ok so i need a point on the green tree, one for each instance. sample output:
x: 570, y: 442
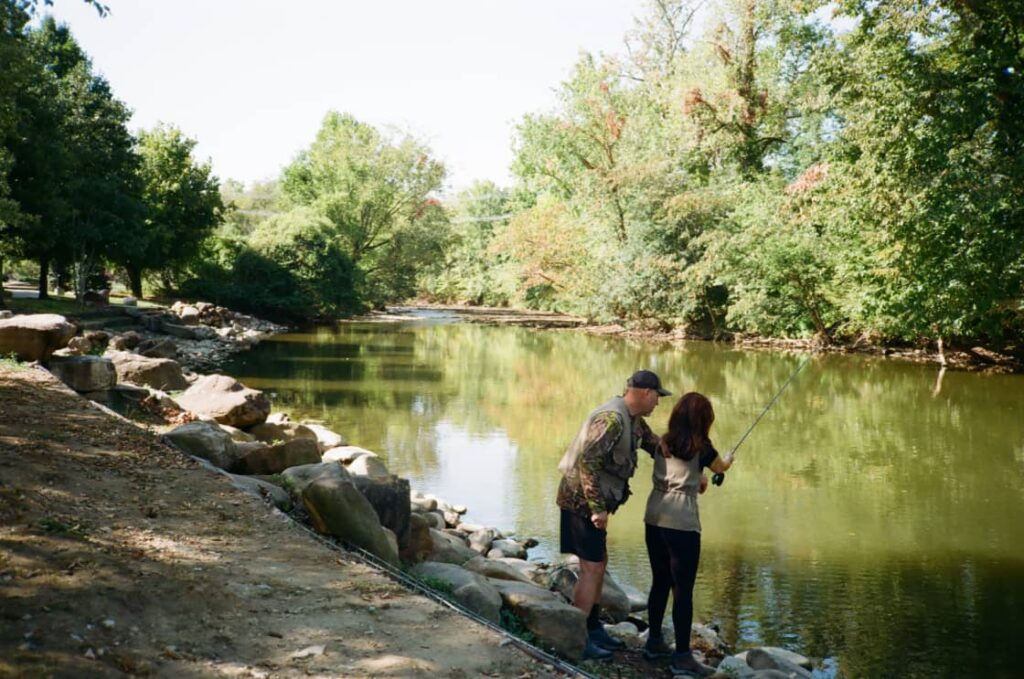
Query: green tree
x: 377, y: 192
x: 182, y: 201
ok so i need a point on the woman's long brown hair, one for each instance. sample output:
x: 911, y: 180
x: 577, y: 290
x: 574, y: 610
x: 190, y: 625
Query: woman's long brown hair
x: 688, y: 425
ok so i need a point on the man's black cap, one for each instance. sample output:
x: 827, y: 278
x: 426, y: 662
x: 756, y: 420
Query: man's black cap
x: 645, y: 379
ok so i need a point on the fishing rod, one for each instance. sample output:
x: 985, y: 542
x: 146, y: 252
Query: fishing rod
x: 718, y: 478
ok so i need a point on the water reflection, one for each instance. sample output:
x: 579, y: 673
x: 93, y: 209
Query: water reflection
x: 868, y: 520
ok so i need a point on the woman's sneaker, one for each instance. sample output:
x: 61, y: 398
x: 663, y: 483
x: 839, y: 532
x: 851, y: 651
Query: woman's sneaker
x: 687, y: 666
x: 656, y: 648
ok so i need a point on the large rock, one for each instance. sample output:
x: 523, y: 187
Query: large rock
x: 420, y: 543
x: 469, y: 589
x: 449, y: 549
x: 480, y: 541
x: 390, y: 499
x: 507, y: 548
x: 297, y: 478
x: 205, y: 440
x: 346, y: 454
x: 736, y: 667
x: 157, y: 347
x: 556, y: 624
x: 270, y: 432
x: 336, y: 508
x: 160, y: 373
x: 369, y: 466
x: 84, y: 373
x: 259, y: 458
x: 762, y: 659
x: 614, y: 602
x: 325, y: 437
x: 226, y: 400
x: 126, y: 340
x: 34, y: 337
x: 493, y: 568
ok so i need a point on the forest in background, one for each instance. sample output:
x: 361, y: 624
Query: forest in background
x: 785, y: 168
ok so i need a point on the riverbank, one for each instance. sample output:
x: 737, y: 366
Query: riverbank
x: 972, y: 357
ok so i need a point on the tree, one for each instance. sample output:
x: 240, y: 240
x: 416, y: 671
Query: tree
x: 377, y: 192
x: 182, y: 202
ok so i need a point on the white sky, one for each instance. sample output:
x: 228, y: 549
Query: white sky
x: 252, y: 79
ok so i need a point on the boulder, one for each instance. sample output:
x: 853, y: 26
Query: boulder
x: 761, y: 659
x: 264, y: 490
x: 259, y: 458
x: 469, y: 589
x: 269, y: 432
x: 336, y: 508
x: 34, y: 337
x: 129, y: 301
x: 434, y: 520
x: 5, y: 313
x: 180, y: 331
x: 709, y: 638
x: 79, y: 346
x: 507, y: 548
x: 325, y: 437
x: 495, y: 569
x: 420, y: 503
x: 278, y: 418
x: 556, y: 624
x: 237, y: 434
x: 480, y: 541
x: 226, y: 400
x: 297, y: 478
x: 614, y: 601
x: 420, y: 543
x: 733, y: 666
x: 159, y: 347
x: 370, y: 466
x: 637, y: 599
x: 205, y: 440
x: 390, y: 499
x: 99, y: 339
x: 346, y: 454
x: 160, y: 373
x: 84, y: 373
x: 449, y: 549
x: 189, y: 315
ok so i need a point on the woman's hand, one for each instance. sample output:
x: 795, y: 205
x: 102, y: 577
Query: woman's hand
x: 665, y: 452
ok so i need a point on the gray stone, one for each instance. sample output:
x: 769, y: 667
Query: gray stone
x: 301, y: 476
x: 493, y: 568
x: 264, y: 490
x: 390, y: 499
x: 226, y: 400
x: 434, y: 520
x: 336, y: 508
x: 5, y: 313
x: 480, y: 541
x: 614, y: 601
x: 422, y: 504
x: 205, y: 440
x: 346, y: 454
x: 237, y: 434
x: 269, y: 432
x: 736, y: 667
x: 84, y: 373
x: 469, y: 589
x: 180, y: 331
x: 160, y: 373
x: 508, y: 548
x: 625, y: 631
x: 259, y: 458
x: 159, y: 347
x: 557, y: 625
x: 34, y: 337
x: 449, y: 549
x: 366, y: 465
x: 325, y: 437
x: 785, y: 654
x: 420, y: 543
x: 709, y: 636
x: 129, y: 301
x: 761, y: 659
x: 637, y: 599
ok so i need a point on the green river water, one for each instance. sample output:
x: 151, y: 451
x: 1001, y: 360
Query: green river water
x: 872, y: 522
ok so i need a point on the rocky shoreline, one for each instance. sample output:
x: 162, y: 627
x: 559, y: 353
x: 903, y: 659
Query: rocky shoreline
x: 973, y: 358
x: 338, y: 489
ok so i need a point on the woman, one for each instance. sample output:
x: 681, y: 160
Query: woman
x: 673, y: 526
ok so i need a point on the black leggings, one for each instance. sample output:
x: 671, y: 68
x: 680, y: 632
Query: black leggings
x: 674, y: 555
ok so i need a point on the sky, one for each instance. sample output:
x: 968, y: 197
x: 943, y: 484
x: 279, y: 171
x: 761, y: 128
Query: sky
x: 251, y: 80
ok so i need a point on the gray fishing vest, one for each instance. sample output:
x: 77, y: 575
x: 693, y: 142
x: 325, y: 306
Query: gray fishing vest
x: 614, y: 477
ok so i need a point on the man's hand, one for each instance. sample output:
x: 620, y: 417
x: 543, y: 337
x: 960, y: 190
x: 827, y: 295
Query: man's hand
x: 703, y: 484
x: 600, y: 520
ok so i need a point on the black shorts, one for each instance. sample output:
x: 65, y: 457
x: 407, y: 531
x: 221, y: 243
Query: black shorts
x: 580, y: 537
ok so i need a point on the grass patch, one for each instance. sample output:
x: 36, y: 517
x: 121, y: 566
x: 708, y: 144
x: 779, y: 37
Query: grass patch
x: 511, y: 623
x: 440, y: 586
x: 54, y: 305
x: 55, y: 526
x: 11, y: 361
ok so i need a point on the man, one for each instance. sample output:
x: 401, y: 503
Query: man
x: 595, y: 482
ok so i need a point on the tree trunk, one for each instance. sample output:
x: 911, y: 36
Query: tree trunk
x: 2, y: 283
x: 44, y: 275
x: 135, y: 281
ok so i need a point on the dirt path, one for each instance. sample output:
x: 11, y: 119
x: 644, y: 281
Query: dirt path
x: 120, y: 556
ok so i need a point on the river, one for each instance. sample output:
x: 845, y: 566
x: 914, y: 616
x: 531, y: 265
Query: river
x: 874, y: 520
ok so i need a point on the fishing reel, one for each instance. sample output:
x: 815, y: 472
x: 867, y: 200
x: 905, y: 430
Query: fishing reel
x: 718, y: 478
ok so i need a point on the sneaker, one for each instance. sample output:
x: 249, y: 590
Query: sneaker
x: 656, y: 648
x: 688, y: 666
x: 594, y: 652
x: 601, y: 638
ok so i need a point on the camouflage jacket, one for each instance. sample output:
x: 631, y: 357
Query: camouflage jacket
x: 579, y: 492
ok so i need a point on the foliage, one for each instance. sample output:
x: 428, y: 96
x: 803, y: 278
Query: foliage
x: 442, y: 587
x: 511, y: 623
